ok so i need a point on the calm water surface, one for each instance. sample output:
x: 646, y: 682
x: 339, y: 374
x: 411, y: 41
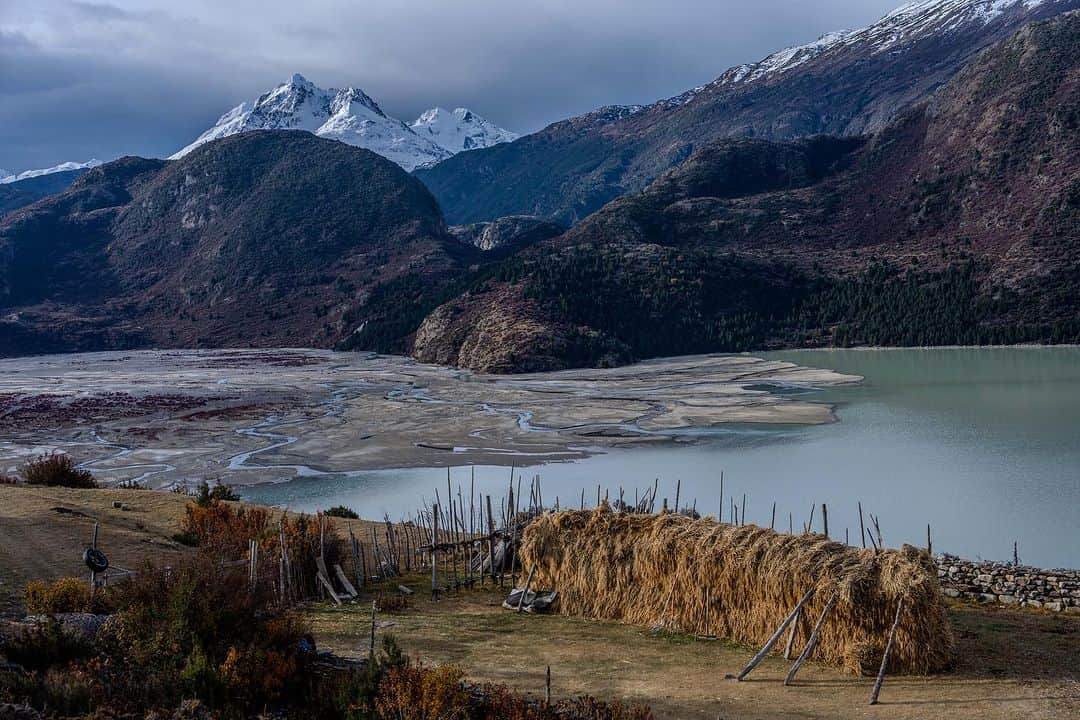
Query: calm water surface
x: 982, y: 444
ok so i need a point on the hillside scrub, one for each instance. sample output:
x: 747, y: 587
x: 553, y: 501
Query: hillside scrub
x: 57, y: 470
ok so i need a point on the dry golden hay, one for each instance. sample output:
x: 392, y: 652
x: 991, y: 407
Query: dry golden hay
x: 654, y: 570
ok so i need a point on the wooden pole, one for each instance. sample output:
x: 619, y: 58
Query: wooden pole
x: 547, y: 687
x: 371, y: 649
x: 811, y: 642
x: 435, y: 552
x: 929, y: 542
x: 888, y: 651
x: 491, y: 540
x: 93, y: 573
x: 525, y: 590
x: 678, y: 491
x: 825, y: 518
x: 775, y: 637
x: 862, y: 527
x: 791, y: 635
x: 742, y: 512
x: 720, y: 517
x: 772, y: 524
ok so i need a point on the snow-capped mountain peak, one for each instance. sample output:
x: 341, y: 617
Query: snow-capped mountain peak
x: 460, y: 129
x: 351, y: 116
x: 6, y: 177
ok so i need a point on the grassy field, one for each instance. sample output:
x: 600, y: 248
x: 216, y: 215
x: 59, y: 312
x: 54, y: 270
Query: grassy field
x: 1013, y: 663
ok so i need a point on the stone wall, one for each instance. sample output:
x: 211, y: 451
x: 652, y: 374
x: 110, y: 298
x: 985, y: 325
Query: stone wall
x: 1057, y: 590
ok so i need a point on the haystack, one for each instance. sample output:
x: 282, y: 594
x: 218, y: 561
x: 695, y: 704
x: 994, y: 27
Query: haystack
x: 658, y: 570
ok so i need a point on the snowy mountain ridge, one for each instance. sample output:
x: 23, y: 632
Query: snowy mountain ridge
x: 352, y: 117
x: 7, y: 177
x: 896, y: 29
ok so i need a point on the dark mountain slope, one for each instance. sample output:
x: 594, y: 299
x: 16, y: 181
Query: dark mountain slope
x: 267, y: 238
x: 21, y: 193
x: 957, y: 224
x: 842, y: 85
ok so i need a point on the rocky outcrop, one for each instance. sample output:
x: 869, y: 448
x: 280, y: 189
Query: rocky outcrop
x: 1056, y: 590
x: 513, y: 231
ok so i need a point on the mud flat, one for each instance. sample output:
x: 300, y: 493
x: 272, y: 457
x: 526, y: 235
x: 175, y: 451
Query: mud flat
x: 248, y: 416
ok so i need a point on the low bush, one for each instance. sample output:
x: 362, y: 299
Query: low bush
x: 57, y: 470
x: 341, y: 511
x: 45, y: 645
x: 392, y: 602
x: 66, y: 595
x: 207, y: 494
x: 201, y: 630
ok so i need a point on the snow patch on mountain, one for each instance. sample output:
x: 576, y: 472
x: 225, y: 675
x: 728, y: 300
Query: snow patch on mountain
x: 6, y: 177
x: 352, y: 117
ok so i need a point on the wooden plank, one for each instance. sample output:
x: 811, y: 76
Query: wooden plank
x: 329, y: 588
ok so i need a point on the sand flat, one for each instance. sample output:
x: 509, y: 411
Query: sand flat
x: 162, y: 417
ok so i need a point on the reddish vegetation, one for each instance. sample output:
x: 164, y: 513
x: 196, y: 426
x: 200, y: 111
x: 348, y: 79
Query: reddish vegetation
x: 21, y: 410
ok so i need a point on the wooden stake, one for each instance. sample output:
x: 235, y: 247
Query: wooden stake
x: 862, y: 527
x: 371, y: 649
x: 547, y: 687
x: 888, y: 651
x: 811, y: 642
x: 825, y: 518
x: 772, y: 524
x: 775, y: 637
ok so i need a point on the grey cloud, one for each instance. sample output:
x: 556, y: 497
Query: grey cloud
x: 146, y: 76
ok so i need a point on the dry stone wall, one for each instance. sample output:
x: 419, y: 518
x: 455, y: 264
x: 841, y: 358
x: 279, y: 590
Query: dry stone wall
x: 1057, y: 590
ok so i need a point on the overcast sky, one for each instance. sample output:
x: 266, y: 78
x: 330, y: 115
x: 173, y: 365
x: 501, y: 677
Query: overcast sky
x: 145, y: 77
